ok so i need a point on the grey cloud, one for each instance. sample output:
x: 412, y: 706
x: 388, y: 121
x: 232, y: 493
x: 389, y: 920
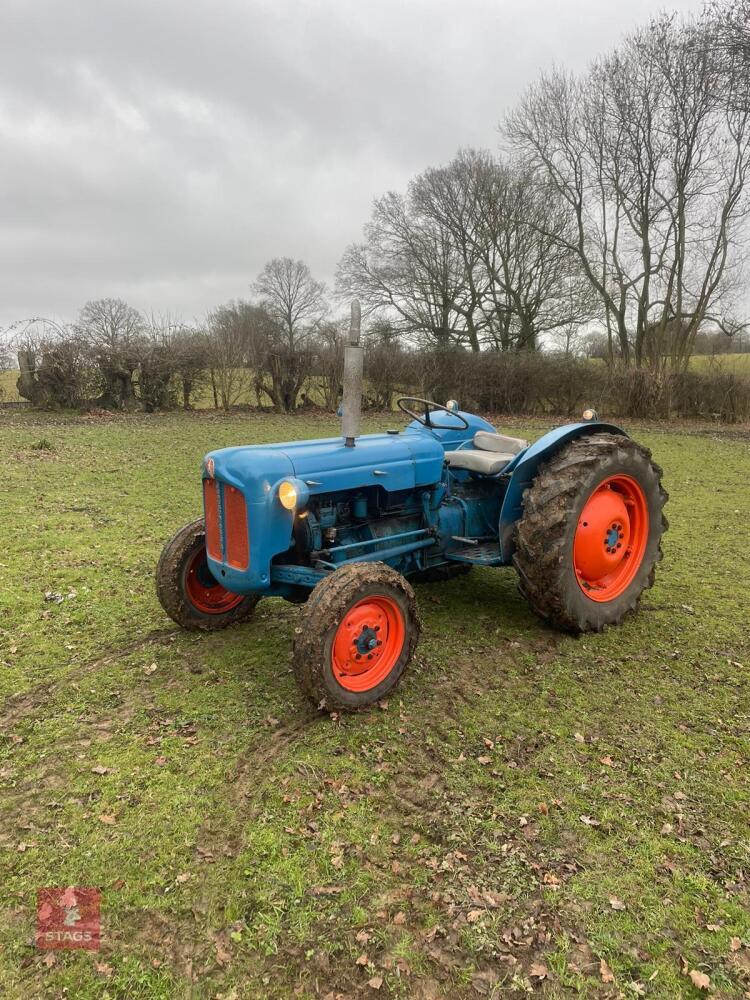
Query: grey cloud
x: 164, y: 151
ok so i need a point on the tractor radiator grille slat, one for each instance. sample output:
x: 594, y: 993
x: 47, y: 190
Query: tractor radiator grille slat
x: 213, y: 523
x: 235, y: 528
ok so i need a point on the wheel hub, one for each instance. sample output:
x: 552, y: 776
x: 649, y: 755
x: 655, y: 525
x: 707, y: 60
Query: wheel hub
x: 610, y: 537
x: 203, y: 591
x: 367, y: 643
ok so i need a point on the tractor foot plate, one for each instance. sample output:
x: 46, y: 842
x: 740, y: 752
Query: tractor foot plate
x: 483, y: 554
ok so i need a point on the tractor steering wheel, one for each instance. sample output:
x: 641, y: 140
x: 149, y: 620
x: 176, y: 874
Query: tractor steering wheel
x: 430, y: 408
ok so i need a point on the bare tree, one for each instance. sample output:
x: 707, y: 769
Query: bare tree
x: 230, y: 353
x: 327, y: 359
x: 292, y: 297
x: 294, y: 306
x: 535, y: 284
x: 651, y: 160
x: 409, y: 270
x: 190, y: 347
x: 55, y: 366
x: 113, y: 331
x: 470, y: 257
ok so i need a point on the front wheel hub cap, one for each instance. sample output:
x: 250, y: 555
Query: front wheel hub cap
x: 368, y: 643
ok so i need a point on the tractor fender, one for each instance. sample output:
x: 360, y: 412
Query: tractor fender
x: 523, y: 469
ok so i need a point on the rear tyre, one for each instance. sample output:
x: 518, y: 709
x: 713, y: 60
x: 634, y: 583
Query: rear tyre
x: 589, y: 538
x: 355, y: 636
x: 186, y: 589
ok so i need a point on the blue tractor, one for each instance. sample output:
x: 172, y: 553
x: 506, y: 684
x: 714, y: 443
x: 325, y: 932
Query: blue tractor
x: 344, y: 525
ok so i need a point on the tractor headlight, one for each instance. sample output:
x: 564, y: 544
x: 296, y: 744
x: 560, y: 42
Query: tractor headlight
x: 293, y: 494
x: 288, y: 495
x: 590, y: 415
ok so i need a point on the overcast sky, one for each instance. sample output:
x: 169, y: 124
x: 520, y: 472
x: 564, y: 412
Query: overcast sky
x: 162, y: 151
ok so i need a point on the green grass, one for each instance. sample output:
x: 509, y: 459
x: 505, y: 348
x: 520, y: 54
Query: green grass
x: 738, y: 363
x: 260, y: 849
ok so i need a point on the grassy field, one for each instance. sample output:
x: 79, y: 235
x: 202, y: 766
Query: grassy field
x: 739, y: 363
x: 529, y: 813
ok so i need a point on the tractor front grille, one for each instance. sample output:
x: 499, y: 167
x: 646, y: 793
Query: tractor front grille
x: 226, y: 524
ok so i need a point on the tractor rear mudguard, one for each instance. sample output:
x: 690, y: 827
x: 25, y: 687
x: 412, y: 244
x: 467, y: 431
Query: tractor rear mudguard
x: 524, y: 467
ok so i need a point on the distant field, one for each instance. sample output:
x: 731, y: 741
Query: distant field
x: 725, y: 362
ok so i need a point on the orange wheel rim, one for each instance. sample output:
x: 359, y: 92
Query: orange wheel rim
x: 611, y: 537
x: 204, y: 592
x: 368, y: 643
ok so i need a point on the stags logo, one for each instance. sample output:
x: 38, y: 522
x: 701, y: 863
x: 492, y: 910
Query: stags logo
x: 68, y: 918
x: 210, y: 467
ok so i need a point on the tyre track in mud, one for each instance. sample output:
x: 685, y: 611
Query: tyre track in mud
x: 19, y: 707
x: 245, y: 788
x: 250, y: 776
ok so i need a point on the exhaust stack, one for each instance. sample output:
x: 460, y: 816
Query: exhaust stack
x: 353, y: 365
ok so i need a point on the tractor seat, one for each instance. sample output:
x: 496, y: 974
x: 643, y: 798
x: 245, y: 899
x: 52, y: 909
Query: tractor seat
x: 490, y: 454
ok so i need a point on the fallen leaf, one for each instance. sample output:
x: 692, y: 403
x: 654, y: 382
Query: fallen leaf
x: 49, y: 959
x: 484, y: 761
x: 400, y: 918
x: 150, y: 669
x: 700, y: 979
x: 538, y: 970
x: 680, y: 796
x: 543, y: 808
x: 615, y: 903
x: 607, y: 761
x: 605, y: 972
x: 589, y: 821
x: 375, y: 983
x: 579, y: 737
x: 108, y: 820
x: 100, y: 769
x: 473, y: 915
x: 363, y: 937
x: 362, y: 960
x: 106, y: 970
x: 735, y: 943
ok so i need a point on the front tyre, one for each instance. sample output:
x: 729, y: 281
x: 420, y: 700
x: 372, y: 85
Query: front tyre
x: 355, y: 636
x: 188, y: 592
x: 589, y: 538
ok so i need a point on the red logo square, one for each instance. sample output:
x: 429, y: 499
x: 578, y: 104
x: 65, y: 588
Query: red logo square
x: 68, y: 918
